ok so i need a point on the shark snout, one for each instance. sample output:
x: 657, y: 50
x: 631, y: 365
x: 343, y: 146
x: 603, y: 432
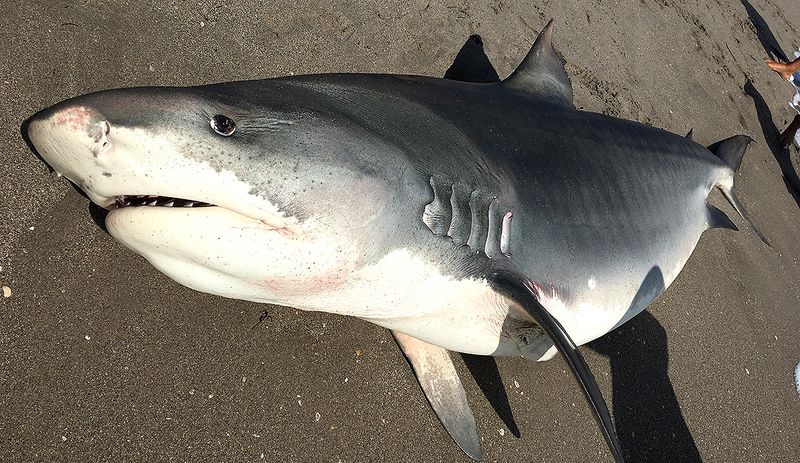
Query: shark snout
x: 70, y: 122
x: 64, y: 136
x: 74, y: 141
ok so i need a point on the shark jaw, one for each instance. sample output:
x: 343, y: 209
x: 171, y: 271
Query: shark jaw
x: 196, y: 223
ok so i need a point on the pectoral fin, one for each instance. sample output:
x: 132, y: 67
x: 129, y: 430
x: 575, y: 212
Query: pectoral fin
x: 439, y: 381
x: 518, y: 290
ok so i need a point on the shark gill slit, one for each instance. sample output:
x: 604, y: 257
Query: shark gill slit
x: 505, y: 234
x: 461, y: 221
x: 438, y: 213
x: 492, y: 246
x: 468, y: 216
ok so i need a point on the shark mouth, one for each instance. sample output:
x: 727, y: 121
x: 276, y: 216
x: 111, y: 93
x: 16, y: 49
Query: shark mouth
x: 150, y: 200
x: 115, y: 203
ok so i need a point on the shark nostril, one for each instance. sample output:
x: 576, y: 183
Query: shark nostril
x: 106, y: 130
x: 101, y: 138
x: 102, y: 130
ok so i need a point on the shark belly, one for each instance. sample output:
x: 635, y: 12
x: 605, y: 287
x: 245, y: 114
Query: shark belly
x: 406, y: 292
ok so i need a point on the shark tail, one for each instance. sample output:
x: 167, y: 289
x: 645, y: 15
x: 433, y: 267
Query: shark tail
x: 731, y: 151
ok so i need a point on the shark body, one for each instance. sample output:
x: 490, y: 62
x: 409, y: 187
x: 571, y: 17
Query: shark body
x: 485, y: 218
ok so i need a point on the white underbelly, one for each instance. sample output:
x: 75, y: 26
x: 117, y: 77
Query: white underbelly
x: 407, y: 293
x: 602, y: 305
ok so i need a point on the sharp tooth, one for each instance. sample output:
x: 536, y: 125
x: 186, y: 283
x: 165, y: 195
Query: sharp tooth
x: 152, y: 203
x: 189, y: 204
x: 169, y: 204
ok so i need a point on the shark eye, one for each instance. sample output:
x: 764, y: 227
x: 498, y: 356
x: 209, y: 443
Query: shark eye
x: 223, y: 125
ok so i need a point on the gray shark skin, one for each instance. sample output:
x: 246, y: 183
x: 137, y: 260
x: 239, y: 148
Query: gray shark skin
x: 485, y: 218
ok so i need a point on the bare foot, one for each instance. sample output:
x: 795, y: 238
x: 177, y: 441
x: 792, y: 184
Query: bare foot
x: 784, y: 70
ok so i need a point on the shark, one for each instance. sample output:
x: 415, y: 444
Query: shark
x: 489, y: 218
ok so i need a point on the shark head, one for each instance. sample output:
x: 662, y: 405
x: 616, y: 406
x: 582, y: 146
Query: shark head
x: 228, y: 191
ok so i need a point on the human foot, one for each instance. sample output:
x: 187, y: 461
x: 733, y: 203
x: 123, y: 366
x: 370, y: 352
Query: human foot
x: 785, y: 70
x: 780, y: 68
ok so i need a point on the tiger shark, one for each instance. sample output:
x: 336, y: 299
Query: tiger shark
x: 483, y: 218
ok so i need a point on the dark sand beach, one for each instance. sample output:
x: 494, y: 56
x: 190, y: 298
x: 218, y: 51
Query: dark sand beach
x: 102, y: 358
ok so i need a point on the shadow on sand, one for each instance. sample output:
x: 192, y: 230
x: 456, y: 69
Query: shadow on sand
x: 765, y: 36
x: 484, y: 370
x: 771, y: 135
x: 649, y: 422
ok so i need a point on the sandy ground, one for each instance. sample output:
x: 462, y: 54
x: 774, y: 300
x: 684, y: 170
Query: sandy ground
x: 104, y: 359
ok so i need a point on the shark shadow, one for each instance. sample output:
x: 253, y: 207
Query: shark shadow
x: 471, y: 64
x: 772, y: 135
x: 765, y: 36
x: 649, y: 422
x: 647, y: 416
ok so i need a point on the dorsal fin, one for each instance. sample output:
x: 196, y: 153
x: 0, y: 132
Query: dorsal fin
x: 542, y: 71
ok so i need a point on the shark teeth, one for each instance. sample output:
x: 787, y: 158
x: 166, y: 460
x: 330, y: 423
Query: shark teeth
x: 156, y: 201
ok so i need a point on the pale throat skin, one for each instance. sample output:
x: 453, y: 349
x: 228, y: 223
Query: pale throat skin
x: 380, y: 198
